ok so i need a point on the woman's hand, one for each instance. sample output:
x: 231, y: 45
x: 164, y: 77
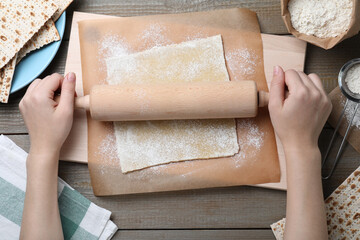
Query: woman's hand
x: 299, y: 112
x: 49, y: 122
x: 299, y: 108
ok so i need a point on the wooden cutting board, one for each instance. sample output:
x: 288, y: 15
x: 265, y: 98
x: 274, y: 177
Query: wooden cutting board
x: 285, y: 51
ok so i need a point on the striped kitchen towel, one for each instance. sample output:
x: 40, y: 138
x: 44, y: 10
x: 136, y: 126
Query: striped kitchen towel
x: 80, y: 218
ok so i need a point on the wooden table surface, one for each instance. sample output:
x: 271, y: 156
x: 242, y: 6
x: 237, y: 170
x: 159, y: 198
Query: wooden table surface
x: 220, y: 213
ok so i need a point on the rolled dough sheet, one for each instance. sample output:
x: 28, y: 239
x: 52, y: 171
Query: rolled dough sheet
x: 149, y: 143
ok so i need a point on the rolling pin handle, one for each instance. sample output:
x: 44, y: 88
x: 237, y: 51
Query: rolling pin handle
x: 263, y: 98
x: 79, y: 102
x: 83, y: 102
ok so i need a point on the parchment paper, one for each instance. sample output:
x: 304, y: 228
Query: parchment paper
x: 325, y: 43
x: 338, y: 100
x: 239, y: 29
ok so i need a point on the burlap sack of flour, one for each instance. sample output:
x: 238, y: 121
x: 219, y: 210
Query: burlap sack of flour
x: 329, y: 42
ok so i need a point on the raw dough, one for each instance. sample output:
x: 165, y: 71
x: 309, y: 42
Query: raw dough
x: 150, y: 143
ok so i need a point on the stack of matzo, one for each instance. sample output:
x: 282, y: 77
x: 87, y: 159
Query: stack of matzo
x: 25, y: 25
x: 342, y: 209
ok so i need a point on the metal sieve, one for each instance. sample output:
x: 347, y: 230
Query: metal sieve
x: 350, y: 96
x: 342, y: 84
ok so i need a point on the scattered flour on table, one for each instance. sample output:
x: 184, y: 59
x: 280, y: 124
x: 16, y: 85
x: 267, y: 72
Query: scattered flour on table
x: 107, y: 150
x: 112, y: 46
x: 196, y: 35
x: 154, y: 35
x: 352, y: 79
x: 349, y: 112
x: 321, y: 18
x: 242, y: 61
x: 251, y: 144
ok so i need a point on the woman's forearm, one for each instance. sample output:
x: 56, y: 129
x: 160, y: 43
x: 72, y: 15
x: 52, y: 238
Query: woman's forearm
x: 49, y: 123
x: 305, y: 211
x: 41, y: 218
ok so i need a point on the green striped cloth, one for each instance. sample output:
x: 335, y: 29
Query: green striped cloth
x: 80, y: 218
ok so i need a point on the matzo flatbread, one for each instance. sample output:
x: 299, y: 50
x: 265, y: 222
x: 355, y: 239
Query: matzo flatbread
x: 19, y: 21
x: 149, y: 143
x: 62, y: 6
x: 278, y: 229
x: 342, y: 209
x: 47, y: 34
x: 6, y: 76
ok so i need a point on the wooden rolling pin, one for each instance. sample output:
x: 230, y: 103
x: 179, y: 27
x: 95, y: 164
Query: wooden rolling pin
x: 134, y: 102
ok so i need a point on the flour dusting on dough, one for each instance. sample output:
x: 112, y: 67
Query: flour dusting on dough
x: 149, y: 143
x: 196, y: 59
x: 108, y: 151
x: 142, y: 144
x: 251, y: 144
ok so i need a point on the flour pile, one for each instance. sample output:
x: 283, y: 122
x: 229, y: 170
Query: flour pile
x: 321, y: 18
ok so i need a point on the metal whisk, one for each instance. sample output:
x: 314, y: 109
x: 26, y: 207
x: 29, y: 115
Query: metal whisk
x: 350, y: 96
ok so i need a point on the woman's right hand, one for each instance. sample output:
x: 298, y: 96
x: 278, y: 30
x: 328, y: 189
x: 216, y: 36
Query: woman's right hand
x: 299, y: 108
